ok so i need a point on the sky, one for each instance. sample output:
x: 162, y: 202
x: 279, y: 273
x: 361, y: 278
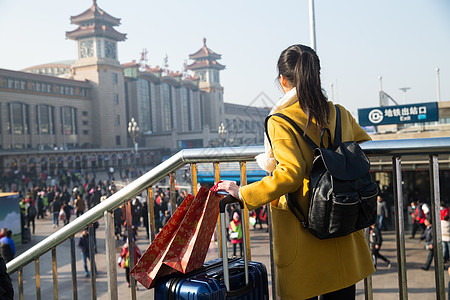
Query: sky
x: 403, y: 41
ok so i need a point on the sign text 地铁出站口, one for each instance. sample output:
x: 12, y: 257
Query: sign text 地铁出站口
x: 399, y: 114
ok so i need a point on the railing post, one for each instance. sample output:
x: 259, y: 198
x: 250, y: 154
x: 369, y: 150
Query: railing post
x: 173, y: 200
x: 130, y: 242
x: 110, y: 243
x: 37, y: 273
x: 20, y: 279
x: 73, y: 264
x: 368, y: 289
x: 219, y: 224
x: 243, y: 168
x: 92, y: 262
x: 151, y: 213
x: 55, y: 274
x: 273, y: 268
x: 399, y: 228
x: 194, y: 178
x: 437, y: 233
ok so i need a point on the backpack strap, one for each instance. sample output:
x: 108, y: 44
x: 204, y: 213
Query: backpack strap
x: 337, y: 130
x: 298, y: 129
x: 294, y: 206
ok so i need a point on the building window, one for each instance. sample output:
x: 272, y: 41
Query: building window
x: 186, y: 104
x: 45, y: 119
x: 84, y: 113
x: 167, y: 107
x: 117, y: 120
x: 85, y: 123
x: 116, y: 98
x: 115, y: 78
x: 118, y: 140
x: 18, y: 119
x: 86, y: 132
x: 144, y: 106
x: 68, y: 120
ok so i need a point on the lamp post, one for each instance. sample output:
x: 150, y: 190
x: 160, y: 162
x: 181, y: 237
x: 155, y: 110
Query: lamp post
x: 222, y: 131
x: 133, y: 130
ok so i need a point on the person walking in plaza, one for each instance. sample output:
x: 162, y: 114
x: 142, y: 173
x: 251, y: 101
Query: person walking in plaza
x: 83, y: 244
x: 427, y: 237
x: 7, y: 247
x: 235, y: 231
x: 418, y: 217
x: 307, y: 266
x: 68, y: 212
x: 445, y: 228
x: 40, y: 205
x: 375, y: 240
x: 80, y: 206
x: 31, y: 216
x: 382, y: 213
x: 55, y: 208
x: 125, y: 259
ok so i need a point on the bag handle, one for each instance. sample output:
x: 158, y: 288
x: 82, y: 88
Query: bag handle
x: 226, y: 272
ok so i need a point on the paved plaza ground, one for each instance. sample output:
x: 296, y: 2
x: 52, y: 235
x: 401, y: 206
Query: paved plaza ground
x: 420, y: 283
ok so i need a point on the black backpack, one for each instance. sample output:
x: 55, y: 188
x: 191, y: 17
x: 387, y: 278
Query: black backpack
x: 31, y: 211
x: 342, y: 195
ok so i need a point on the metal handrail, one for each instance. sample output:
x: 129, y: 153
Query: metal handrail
x: 206, y: 155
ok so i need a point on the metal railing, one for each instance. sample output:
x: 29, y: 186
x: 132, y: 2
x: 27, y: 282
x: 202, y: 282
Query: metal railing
x: 394, y: 148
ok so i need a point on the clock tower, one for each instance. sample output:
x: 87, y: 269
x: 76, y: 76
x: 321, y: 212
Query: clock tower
x: 98, y: 63
x: 206, y: 68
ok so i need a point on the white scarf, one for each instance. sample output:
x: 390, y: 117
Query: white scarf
x: 266, y: 160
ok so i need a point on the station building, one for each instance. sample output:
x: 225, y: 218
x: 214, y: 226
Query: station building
x: 74, y: 114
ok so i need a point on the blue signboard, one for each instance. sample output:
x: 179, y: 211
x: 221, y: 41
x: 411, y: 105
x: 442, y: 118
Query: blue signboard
x: 399, y: 114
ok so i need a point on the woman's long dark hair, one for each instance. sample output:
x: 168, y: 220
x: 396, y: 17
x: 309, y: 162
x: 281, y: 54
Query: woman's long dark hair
x: 301, y: 67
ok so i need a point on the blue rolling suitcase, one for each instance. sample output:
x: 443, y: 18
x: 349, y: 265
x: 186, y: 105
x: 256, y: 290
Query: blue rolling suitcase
x: 218, y: 279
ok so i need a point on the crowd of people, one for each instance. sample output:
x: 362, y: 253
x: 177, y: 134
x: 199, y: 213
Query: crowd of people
x: 420, y: 221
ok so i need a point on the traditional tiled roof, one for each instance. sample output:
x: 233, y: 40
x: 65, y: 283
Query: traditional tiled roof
x: 95, y: 13
x: 95, y: 22
x: 205, y: 52
x: 201, y: 64
x: 95, y: 30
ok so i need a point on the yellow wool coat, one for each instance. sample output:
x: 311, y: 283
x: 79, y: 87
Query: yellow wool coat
x: 306, y: 265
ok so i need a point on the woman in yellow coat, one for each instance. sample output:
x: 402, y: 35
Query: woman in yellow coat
x: 306, y: 266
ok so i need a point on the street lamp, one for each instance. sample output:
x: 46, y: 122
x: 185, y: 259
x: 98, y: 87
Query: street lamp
x: 222, y: 131
x: 133, y: 130
x: 404, y: 91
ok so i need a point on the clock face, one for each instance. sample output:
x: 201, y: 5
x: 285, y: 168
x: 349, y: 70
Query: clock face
x: 110, y: 49
x: 86, y: 48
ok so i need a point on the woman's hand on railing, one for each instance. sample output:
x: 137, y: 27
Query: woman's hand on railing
x: 230, y: 187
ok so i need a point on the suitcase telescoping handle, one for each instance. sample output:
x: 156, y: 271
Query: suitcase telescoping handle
x: 226, y: 272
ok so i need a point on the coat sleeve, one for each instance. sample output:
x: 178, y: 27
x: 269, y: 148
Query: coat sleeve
x: 289, y: 173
